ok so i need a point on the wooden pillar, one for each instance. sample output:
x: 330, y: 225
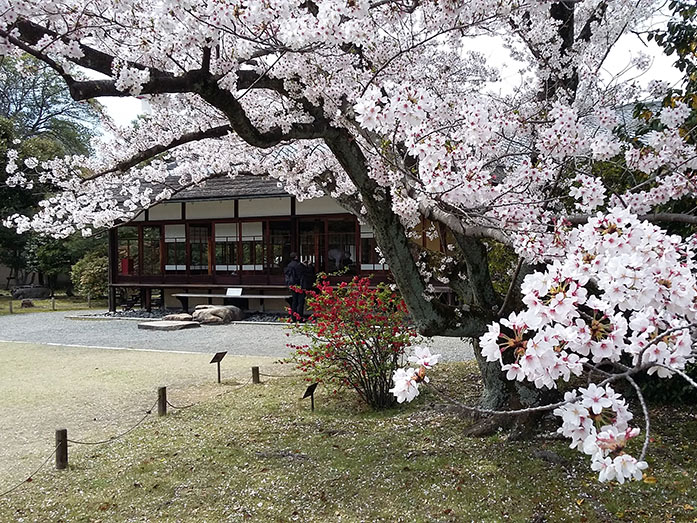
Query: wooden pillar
x: 148, y: 299
x: 113, y: 250
x: 141, y: 255
x: 187, y: 250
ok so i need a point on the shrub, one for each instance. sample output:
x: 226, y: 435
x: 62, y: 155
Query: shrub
x: 358, y: 335
x: 670, y: 391
x: 90, y: 275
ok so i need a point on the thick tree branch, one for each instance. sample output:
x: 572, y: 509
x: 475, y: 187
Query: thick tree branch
x: 433, y: 213
x: 151, y: 152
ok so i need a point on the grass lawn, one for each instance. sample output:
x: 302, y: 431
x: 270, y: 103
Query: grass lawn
x: 259, y: 454
x: 62, y: 303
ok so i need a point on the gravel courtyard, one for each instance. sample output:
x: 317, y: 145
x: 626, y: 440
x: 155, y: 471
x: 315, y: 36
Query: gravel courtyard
x: 243, y: 339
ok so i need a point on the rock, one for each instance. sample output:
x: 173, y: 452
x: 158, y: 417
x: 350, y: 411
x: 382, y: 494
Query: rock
x: 549, y: 456
x: 178, y: 317
x: 20, y: 293
x: 161, y: 325
x: 237, y: 313
x: 27, y: 304
x: 213, y: 315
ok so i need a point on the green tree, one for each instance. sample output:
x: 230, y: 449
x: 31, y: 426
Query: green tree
x: 90, y: 275
x: 36, y: 109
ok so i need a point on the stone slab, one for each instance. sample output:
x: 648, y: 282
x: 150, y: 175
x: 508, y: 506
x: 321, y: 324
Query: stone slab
x: 162, y: 325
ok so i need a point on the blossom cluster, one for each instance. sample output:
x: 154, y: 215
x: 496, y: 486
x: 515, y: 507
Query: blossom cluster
x: 597, y: 422
x: 628, y: 289
x: 407, y: 380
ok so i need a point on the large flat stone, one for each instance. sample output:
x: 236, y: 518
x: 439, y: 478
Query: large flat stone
x: 168, y: 325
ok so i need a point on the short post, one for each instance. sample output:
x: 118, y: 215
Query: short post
x: 53, y: 303
x: 218, y: 371
x: 162, y: 401
x: 61, y: 449
x: 89, y: 301
x: 255, y: 375
x: 11, y: 311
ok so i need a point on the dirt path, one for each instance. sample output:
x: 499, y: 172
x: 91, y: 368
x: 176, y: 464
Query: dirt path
x: 95, y: 394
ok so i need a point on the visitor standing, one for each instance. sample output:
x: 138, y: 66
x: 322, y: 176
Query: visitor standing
x: 293, y: 274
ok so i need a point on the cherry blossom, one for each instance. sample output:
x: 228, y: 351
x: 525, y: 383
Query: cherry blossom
x: 392, y: 109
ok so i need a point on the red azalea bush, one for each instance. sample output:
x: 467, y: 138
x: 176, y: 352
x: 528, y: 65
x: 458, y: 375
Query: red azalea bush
x: 358, y: 335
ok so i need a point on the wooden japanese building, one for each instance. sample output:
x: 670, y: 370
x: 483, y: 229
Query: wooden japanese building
x: 234, y: 233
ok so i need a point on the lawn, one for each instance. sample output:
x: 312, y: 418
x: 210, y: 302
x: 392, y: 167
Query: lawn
x: 259, y: 454
x: 61, y: 303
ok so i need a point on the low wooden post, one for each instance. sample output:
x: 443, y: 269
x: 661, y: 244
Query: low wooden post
x: 89, y: 301
x: 11, y: 311
x: 162, y: 401
x: 53, y: 303
x: 255, y: 375
x: 61, y: 449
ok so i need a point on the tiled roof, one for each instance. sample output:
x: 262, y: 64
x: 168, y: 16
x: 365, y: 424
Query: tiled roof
x: 242, y: 186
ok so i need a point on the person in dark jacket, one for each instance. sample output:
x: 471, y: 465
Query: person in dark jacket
x: 293, y: 274
x: 307, y: 282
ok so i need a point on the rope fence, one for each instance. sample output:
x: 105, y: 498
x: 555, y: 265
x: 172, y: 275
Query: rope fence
x: 60, y: 451
x: 181, y: 407
x: 31, y: 476
x: 279, y: 375
x: 118, y: 436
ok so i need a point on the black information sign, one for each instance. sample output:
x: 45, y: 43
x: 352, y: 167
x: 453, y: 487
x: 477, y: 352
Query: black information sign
x: 216, y: 359
x: 310, y: 393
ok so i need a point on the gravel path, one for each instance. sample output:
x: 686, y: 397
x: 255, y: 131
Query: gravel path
x: 242, y: 339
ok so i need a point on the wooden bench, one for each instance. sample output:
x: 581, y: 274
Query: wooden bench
x: 183, y: 297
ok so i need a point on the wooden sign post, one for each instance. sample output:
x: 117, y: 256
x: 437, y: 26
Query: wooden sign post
x: 216, y: 359
x: 311, y: 393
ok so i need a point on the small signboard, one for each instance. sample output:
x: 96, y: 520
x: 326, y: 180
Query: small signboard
x: 233, y: 291
x: 216, y: 359
x: 218, y: 356
x: 310, y: 390
x: 310, y: 393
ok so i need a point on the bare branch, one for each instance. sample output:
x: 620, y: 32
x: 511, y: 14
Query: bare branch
x: 647, y: 420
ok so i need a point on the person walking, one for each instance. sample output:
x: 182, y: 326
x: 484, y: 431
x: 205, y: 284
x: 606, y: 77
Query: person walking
x: 293, y: 275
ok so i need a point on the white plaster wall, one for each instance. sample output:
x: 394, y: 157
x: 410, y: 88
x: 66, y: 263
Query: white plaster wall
x: 251, y: 208
x: 214, y: 209
x: 252, y: 229
x: 165, y: 211
x: 323, y: 205
x: 225, y: 230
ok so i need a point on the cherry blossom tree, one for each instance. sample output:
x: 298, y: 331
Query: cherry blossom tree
x: 390, y: 107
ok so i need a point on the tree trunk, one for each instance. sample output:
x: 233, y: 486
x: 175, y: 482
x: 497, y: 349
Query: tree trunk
x: 496, y: 392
